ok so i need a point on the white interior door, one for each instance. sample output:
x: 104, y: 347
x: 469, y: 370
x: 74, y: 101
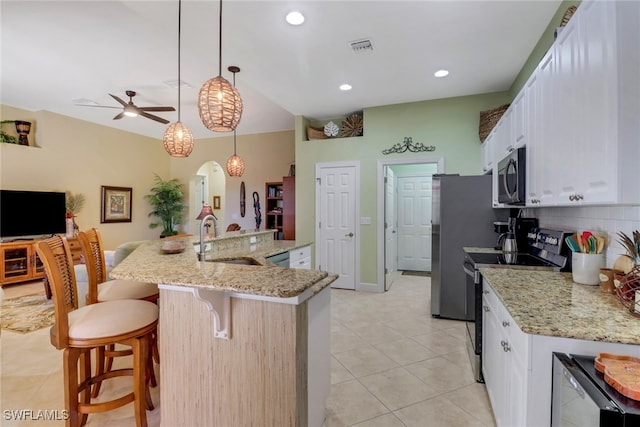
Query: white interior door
x: 414, y: 223
x: 337, y: 238
x: 390, y: 232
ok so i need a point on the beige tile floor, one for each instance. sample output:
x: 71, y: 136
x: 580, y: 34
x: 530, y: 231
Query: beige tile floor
x: 392, y: 365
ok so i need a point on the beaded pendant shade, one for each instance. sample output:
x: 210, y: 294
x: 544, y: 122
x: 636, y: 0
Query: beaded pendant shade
x: 178, y: 139
x: 235, y: 164
x: 219, y: 103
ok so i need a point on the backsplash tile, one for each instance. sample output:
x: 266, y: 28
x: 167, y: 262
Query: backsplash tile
x: 605, y: 220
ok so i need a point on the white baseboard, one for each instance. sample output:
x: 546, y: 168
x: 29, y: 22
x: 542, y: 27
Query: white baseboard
x: 370, y: 287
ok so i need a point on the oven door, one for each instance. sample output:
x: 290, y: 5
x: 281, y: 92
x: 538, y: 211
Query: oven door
x: 576, y: 400
x: 474, y: 328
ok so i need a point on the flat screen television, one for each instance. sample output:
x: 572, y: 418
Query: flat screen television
x: 31, y: 214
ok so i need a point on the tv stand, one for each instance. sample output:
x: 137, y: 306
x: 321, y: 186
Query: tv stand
x: 19, y: 262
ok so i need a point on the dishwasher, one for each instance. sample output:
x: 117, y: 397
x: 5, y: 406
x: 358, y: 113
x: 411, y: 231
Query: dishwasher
x: 281, y: 260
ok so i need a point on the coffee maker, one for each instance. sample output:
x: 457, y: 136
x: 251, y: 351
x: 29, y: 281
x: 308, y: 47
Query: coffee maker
x: 510, y: 244
x: 500, y: 227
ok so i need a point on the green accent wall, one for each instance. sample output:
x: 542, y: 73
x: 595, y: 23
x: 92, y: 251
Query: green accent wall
x: 451, y: 125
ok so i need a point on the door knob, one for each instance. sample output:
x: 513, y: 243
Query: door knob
x: 348, y: 235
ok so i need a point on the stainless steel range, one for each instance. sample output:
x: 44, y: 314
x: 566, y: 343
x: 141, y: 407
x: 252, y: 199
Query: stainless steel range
x: 546, y: 251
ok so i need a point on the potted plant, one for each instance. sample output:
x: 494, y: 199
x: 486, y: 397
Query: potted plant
x: 73, y: 205
x: 166, y: 199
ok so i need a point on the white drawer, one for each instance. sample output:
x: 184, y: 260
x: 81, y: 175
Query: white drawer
x: 304, y: 263
x: 296, y: 255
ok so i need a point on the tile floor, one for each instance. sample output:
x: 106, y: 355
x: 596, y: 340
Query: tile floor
x: 392, y: 365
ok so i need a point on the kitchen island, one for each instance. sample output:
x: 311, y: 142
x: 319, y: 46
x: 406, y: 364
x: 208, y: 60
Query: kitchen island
x: 242, y: 342
x: 528, y: 315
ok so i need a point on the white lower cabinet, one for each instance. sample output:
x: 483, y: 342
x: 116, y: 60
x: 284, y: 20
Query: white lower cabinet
x: 300, y: 258
x: 504, y: 364
x: 517, y: 367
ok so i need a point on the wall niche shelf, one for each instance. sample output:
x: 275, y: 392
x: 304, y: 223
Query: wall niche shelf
x: 344, y: 127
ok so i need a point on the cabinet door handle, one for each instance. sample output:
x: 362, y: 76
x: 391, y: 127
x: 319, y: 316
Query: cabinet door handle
x: 486, y: 309
x: 485, y: 292
x: 505, y: 323
x: 505, y: 346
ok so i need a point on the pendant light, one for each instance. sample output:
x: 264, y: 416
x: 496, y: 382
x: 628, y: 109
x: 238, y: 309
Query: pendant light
x: 235, y: 164
x: 178, y: 140
x: 219, y: 103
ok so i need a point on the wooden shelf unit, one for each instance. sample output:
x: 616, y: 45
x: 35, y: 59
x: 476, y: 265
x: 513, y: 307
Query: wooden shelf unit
x: 280, y: 208
x: 19, y: 262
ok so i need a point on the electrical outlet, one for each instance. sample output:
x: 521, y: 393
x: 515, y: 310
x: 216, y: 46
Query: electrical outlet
x: 252, y: 239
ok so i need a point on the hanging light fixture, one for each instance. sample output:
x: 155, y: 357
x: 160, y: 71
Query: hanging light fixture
x: 219, y: 103
x: 235, y: 164
x: 178, y: 140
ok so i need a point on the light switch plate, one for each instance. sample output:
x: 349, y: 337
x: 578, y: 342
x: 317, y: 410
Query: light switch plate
x: 252, y: 239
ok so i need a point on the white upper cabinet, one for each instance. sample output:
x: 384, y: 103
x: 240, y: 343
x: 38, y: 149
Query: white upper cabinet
x: 502, y: 136
x: 535, y: 151
x: 519, y: 130
x: 486, y: 154
x: 582, y: 119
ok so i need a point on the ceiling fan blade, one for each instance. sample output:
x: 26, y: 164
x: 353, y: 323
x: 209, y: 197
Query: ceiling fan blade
x: 124, y: 104
x: 156, y: 109
x: 99, y: 106
x: 152, y: 117
x: 119, y: 116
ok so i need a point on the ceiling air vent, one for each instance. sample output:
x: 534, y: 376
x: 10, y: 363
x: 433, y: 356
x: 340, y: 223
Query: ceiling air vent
x: 360, y: 46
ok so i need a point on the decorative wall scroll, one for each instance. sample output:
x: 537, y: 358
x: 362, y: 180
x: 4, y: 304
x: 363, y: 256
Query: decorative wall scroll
x: 242, y: 199
x: 408, y: 144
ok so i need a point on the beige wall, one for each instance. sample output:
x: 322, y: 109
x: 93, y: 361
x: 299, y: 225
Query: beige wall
x: 267, y: 157
x: 80, y: 157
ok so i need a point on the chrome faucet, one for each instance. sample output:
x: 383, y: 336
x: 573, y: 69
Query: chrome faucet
x: 202, y: 226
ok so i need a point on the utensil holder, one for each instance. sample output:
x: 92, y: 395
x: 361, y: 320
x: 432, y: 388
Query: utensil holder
x: 586, y: 268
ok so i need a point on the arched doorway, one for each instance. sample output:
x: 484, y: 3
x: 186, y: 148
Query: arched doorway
x: 207, y: 182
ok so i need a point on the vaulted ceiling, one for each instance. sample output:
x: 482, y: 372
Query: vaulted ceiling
x: 56, y: 55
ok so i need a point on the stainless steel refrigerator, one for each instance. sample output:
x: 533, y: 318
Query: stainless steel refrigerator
x: 462, y: 216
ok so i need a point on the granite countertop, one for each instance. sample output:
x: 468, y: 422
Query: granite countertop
x: 550, y: 303
x: 149, y: 264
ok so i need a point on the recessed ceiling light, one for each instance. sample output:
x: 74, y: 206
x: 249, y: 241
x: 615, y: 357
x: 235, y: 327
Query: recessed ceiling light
x: 345, y: 86
x: 295, y: 18
x: 441, y: 73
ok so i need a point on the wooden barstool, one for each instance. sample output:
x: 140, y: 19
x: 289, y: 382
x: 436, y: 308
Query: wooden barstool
x: 102, y: 290
x: 77, y: 331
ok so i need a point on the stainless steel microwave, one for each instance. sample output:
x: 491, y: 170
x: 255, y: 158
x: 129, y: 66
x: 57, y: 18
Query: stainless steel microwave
x: 511, y: 178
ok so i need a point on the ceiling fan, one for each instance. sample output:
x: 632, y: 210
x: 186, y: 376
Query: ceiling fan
x: 132, y: 110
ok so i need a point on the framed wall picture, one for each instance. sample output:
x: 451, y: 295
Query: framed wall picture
x: 116, y: 204
x: 216, y: 202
